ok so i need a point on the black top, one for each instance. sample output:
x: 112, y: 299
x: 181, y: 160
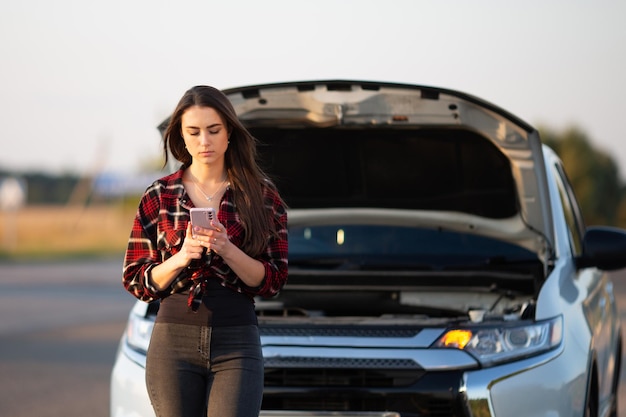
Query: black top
x: 220, y: 306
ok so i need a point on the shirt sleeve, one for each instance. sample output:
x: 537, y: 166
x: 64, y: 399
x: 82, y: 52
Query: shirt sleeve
x: 141, y: 253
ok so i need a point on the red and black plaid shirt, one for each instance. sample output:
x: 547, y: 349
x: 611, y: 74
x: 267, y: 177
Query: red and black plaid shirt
x: 159, y: 230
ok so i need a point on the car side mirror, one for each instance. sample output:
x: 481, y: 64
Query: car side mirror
x: 604, y: 248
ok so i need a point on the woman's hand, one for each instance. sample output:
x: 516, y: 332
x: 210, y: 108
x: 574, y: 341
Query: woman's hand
x: 249, y: 270
x: 191, y: 249
x: 163, y: 274
x: 215, y: 238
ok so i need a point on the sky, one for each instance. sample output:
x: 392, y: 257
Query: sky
x: 84, y: 83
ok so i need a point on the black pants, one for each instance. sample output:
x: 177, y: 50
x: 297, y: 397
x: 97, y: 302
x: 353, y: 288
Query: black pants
x: 190, y: 369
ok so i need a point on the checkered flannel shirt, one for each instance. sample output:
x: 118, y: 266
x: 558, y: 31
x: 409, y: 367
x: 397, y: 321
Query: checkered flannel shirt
x: 159, y: 230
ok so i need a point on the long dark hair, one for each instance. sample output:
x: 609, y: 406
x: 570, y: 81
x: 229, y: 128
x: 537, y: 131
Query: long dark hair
x: 247, y: 180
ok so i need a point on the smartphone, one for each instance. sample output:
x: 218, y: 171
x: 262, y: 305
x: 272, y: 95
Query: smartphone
x: 202, y: 217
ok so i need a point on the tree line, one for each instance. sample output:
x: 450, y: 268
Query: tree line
x: 594, y: 176
x: 43, y: 188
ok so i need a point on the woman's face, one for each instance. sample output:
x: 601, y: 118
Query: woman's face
x: 205, y: 134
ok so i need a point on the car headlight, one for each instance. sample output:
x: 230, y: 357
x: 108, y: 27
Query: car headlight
x: 504, y: 342
x: 138, y: 332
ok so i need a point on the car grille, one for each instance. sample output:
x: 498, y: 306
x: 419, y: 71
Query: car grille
x: 358, y: 384
x: 431, y: 408
x: 342, y: 363
x: 321, y: 377
x: 408, y: 406
x: 410, y: 392
x: 339, y: 331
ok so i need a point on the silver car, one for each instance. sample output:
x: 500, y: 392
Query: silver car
x: 438, y: 263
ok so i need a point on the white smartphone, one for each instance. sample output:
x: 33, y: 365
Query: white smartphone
x: 202, y: 216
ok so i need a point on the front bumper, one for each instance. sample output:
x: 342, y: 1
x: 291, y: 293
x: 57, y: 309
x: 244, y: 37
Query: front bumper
x: 551, y: 384
x: 548, y: 385
x: 554, y: 384
x: 129, y: 395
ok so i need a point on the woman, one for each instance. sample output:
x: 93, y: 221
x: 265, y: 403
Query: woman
x: 205, y: 354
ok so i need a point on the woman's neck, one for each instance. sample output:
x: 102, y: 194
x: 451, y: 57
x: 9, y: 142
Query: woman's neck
x: 207, y: 175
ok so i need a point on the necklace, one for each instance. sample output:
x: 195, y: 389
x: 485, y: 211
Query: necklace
x: 208, y: 197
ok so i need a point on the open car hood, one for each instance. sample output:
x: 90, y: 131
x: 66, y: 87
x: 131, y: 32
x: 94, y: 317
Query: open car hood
x: 453, y: 160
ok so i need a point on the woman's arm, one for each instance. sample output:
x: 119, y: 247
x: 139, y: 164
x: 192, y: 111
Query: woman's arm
x: 148, y: 245
x: 163, y: 274
x: 249, y: 270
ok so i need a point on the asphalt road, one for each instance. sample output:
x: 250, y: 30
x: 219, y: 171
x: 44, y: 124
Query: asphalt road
x: 59, y: 329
